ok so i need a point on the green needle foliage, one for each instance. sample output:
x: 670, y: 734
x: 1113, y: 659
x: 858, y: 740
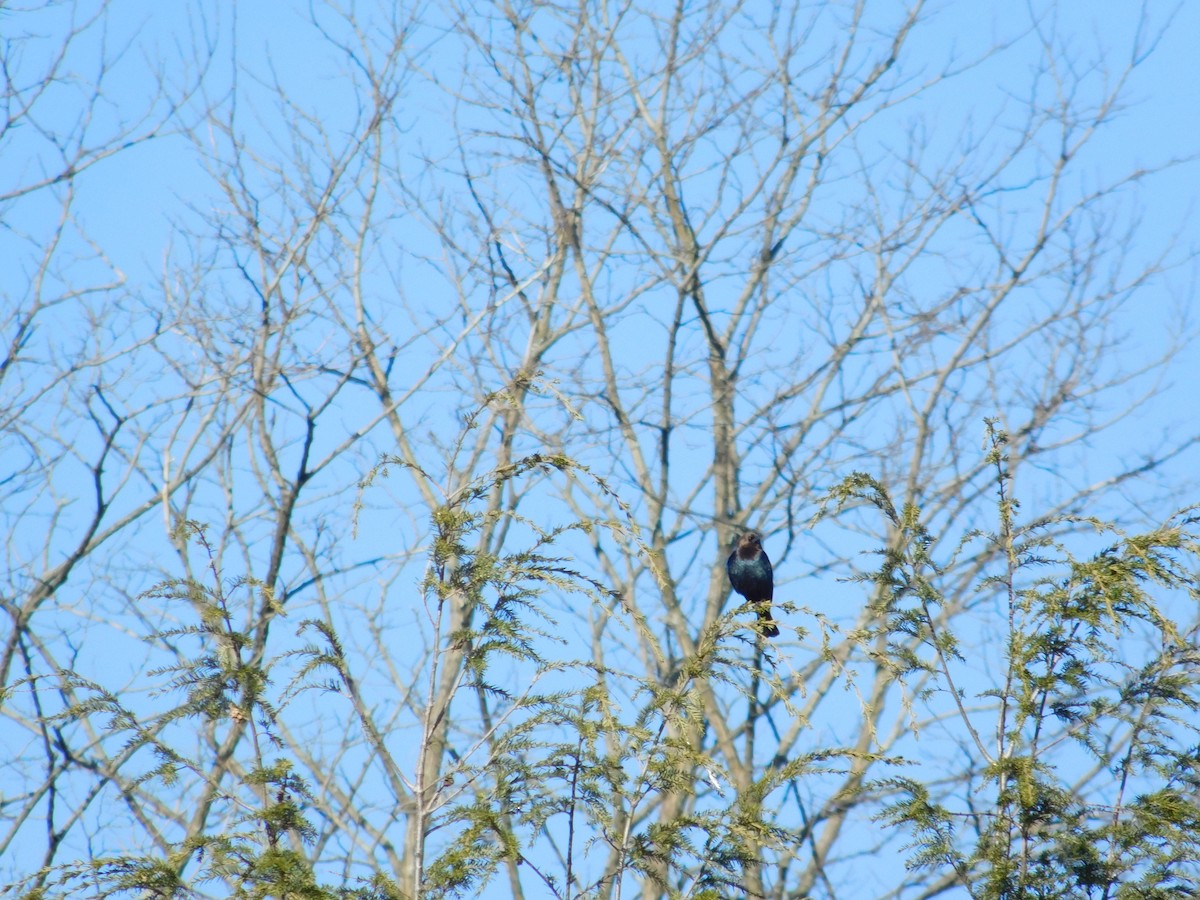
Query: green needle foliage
x: 522, y: 761
x: 1068, y: 690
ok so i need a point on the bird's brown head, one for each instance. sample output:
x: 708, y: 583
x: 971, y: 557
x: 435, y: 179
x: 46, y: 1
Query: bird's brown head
x: 749, y: 544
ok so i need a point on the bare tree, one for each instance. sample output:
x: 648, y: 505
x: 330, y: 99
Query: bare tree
x: 596, y: 288
x: 814, y: 301
x: 75, y: 430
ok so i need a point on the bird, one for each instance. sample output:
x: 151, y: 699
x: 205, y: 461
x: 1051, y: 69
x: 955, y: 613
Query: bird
x: 751, y: 576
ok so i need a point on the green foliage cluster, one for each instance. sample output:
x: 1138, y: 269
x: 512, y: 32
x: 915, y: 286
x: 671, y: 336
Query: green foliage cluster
x: 568, y: 755
x: 1025, y: 831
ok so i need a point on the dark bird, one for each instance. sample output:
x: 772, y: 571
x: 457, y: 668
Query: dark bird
x: 751, y: 576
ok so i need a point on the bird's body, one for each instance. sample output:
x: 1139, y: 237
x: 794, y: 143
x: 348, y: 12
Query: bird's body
x: 751, y: 575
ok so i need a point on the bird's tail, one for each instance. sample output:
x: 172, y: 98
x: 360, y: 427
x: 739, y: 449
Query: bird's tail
x: 766, y: 624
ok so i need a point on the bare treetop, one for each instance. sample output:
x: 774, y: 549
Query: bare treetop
x: 378, y: 518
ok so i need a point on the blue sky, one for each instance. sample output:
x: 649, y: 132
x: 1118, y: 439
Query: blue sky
x: 142, y: 207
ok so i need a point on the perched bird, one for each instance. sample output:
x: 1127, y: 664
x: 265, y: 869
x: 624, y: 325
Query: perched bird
x: 751, y: 576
